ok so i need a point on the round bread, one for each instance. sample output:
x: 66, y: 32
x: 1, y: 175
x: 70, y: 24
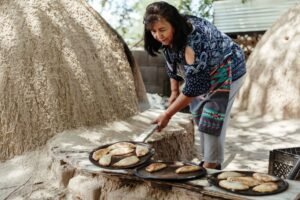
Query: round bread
x: 264, y: 177
x: 233, y: 185
x: 249, y: 181
x: 266, y: 187
x: 225, y: 175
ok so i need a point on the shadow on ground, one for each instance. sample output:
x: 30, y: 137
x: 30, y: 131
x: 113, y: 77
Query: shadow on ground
x: 250, y: 139
x: 248, y: 143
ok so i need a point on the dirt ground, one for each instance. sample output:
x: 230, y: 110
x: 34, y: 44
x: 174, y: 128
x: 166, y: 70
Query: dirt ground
x: 248, y: 142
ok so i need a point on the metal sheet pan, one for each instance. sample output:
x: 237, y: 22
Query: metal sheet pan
x: 115, y: 159
x: 169, y: 173
x: 282, y: 185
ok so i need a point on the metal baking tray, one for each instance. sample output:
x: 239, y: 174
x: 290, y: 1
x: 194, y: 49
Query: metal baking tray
x: 115, y: 159
x: 282, y: 185
x: 169, y: 173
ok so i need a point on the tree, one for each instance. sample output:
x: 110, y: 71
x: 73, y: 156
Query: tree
x: 202, y: 8
x: 126, y: 17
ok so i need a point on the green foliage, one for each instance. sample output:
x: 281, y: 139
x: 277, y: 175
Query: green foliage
x: 184, y: 6
x: 126, y: 16
x: 200, y: 8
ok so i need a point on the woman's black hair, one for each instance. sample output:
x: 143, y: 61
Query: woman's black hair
x: 154, y: 12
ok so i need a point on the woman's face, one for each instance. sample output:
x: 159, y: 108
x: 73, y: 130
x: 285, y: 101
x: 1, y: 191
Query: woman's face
x: 162, y: 31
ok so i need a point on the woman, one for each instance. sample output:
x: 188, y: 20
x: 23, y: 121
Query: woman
x: 211, y: 66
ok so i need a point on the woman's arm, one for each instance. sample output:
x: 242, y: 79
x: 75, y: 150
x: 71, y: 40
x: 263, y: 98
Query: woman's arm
x: 174, y: 91
x: 174, y: 85
x: 181, y: 102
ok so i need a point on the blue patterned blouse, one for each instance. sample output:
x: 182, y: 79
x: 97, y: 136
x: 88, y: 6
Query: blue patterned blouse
x: 212, y: 48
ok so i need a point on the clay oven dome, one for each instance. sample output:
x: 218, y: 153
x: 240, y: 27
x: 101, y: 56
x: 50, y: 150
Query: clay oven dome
x: 61, y: 67
x: 272, y: 86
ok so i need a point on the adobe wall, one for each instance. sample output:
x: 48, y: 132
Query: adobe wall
x: 153, y: 72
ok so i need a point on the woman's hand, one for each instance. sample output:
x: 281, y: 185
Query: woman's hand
x: 181, y: 102
x: 162, y: 121
x: 173, y: 97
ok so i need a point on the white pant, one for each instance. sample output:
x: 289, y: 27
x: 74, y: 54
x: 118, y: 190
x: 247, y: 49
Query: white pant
x: 212, y: 147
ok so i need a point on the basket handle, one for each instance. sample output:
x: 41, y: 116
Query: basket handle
x: 292, y: 175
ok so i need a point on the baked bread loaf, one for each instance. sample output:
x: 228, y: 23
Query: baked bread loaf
x: 264, y: 177
x: 187, y: 169
x: 141, y: 150
x: 121, y: 145
x: 233, y: 185
x: 99, y: 153
x: 266, y: 187
x: 121, y: 151
x: 246, y: 180
x: 225, y: 175
x: 127, y: 161
x: 153, y: 167
x: 105, y: 160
